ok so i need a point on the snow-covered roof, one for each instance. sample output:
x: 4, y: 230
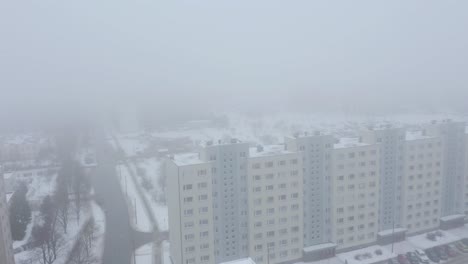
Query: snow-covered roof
x: 452, y: 217
x: 268, y: 150
x: 349, y: 143
x: 366, y: 255
x: 333, y: 260
x: 319, y: 246
x: 240, y: 261
x: 187, y: 159
x: 423, y: 242
x: 415, y: 135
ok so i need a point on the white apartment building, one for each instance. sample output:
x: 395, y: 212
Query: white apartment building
x: 275, y: 193
x: 190, y: 204
x: 6, y: 250
x: 465, y: 199
x: 422, y: 182
x: 392, y: 145
x: 315, y: 150
x: 452, y: 135
x: 355, y: 193
x: 229, y: 179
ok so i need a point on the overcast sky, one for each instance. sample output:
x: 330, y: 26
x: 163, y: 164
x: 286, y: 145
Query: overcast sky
x: 184, y: 55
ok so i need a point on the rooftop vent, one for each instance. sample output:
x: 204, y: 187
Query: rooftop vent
x: 209, y: 143
x: 316, y: 133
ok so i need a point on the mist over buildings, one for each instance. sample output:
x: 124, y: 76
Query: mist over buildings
x: 188, y: 58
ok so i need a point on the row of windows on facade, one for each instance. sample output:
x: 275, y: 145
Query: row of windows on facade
x: 281, y: 221
x: 419, y: 214
x: 281, y: 209
x: 350, y: 229
x: 435, y: 221
x: 270, y: 164
x: 360, y: 237
x: 353, y: 165
x: 281, y: 232
x: 352, y: 155
x: 352, y: 218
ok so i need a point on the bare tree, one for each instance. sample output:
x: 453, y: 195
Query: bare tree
x: 83, y: 251
x: 62, y: 200
x: 46, y: 236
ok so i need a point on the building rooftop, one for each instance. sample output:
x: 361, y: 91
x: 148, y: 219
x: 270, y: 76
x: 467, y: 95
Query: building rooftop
x: 268, y: 150
x: 187, y: 159
x: 415, y: 135
x: 349, y: 143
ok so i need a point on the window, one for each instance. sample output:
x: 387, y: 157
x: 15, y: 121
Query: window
x: 187, y: 187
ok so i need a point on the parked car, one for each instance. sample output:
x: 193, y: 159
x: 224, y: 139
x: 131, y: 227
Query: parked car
x: 451, y: 251
x: 432, y: 255
x: 441, y: 253
x: 465, y: 241
x: 412, y: 258
x: 462, y: 247
x: 402, y: 259
x: 422, y: 256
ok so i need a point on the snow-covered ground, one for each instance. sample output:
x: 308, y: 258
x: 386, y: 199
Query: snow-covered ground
x: 156, y: 194
x: 138, y: 213
x: 100, y: 222
x: 66, y: 243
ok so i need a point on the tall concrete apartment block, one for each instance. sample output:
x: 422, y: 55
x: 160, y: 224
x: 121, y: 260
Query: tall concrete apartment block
x: 209, y: 189
x: 355, y: 192
x: 452, y: 135
x: 6, y: 250
x: 392, y: 145
x: 422, y: 182
x: 316, y: 152
x: 229, y: 163
x: 190, y: 209
x: 275, y: 205
x: 465, y: 199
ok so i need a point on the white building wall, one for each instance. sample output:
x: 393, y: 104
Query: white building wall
x: 6, y: 250
x: 422, y: 184
x: 191, y: 213
x: 275, y: 193
x: 355, y: 195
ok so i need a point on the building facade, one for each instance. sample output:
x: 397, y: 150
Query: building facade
x: 422, y: 183
x: 229, y: 164
x: 6, y: 250
x: 452, y: 135
x: 392, y: 146
x: 355, y: 193
x: 190, y: 210
x: 275, y: 205
x: 316, y: 160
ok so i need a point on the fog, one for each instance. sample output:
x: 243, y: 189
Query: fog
x: 187, y: 57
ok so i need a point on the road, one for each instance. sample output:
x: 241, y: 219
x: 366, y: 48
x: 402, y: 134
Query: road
x: 120, y: 238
